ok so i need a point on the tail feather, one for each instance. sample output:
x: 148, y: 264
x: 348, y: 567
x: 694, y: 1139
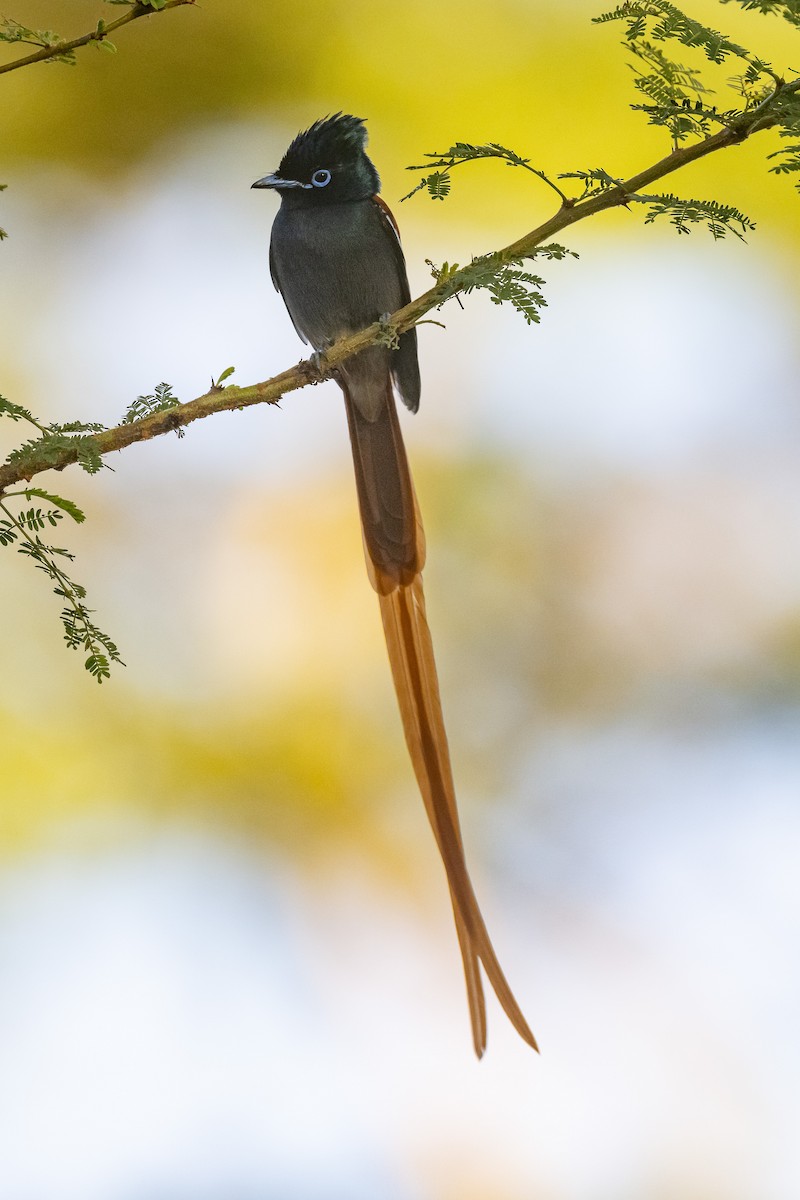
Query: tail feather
x: 395, y: 553
x: 410, y: 649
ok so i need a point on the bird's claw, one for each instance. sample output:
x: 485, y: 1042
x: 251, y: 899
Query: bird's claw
x: 315, y: 367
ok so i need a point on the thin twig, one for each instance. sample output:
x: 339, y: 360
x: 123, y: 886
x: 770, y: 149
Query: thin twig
x: 98, y: 34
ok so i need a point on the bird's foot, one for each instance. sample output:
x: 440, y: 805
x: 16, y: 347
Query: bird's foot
x: 315, y: 367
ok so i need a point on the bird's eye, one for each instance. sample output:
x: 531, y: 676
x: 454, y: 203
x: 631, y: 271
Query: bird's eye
x: 321, y: 178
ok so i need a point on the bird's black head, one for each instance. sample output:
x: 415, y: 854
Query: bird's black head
x: 326, y: 164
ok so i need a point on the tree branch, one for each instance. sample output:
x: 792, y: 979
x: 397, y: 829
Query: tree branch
x: 97, y: 35
x: 310, y: 371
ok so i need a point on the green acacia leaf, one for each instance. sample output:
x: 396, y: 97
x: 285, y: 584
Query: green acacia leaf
x: 15, y: 412
x: 719, y: 219
x: 439, y: 185
x: 67, y: 506
x: 161, y: 400
x: 788, y: 9
x: 98, y: 667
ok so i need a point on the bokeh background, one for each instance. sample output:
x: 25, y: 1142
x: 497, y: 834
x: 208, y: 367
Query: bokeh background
x: 227, y: 968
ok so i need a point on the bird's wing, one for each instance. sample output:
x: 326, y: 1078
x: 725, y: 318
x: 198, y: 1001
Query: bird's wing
x: 405, y: 367
x: 273, y: 270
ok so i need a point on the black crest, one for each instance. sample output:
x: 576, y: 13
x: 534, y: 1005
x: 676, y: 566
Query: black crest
x: 336, y: 144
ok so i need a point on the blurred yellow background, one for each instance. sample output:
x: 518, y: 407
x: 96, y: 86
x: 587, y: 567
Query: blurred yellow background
x: 226, y: 963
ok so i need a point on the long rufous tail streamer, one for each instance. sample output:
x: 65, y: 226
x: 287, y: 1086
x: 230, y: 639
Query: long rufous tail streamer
x: 395, y: 553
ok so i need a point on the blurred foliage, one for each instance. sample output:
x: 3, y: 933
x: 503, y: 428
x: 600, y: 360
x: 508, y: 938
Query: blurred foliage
x: 261, y: 772
x: 541, y: 612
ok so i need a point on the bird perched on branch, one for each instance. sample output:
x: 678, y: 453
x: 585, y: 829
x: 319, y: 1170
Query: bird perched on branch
x: 336, y: 259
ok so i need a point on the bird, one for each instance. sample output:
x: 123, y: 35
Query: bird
x: 335, y: 258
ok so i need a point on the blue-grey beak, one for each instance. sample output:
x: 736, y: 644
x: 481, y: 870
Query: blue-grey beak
x: 275, y: 181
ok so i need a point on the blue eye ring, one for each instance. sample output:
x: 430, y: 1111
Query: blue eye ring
x: 321, y: 178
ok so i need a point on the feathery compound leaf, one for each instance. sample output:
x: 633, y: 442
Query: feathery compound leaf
x: 15, y: 412
x: 520, y: 289
x: 663, y: 21
x: 467, y: 152
x: 719, y: 219
x: 680, y: 80
x: 74, y: 440
x: 35, y: 519
x: 438, y: 185
x: 438, y: 182
x: 553, y: 252
x: 8, y: 533
x: 594, y: 181
x: 682, y: 120
x: 67, y: 506
x: 789, y: 157
x: 22, y: 530
x: 161, y: 400
x: 80, y: 631
x: 671, y: 86
x: 788, y: 9
x: 504, y: 280
x: 788, y: 109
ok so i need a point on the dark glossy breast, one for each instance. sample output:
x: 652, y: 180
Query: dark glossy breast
x: 336, y: 268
